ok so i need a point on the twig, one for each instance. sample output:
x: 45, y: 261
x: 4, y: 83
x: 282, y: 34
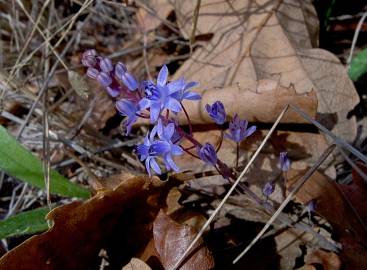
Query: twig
x: 290, y: 196
x: 195, y: 22
x: 336, y: 140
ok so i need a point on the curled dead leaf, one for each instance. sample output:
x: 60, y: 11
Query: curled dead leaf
x: 172, y: 239
x: 122, y: 216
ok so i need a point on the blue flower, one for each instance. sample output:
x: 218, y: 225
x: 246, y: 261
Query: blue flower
x: 162, y: 147
x: 165, y: 147
x: 148, y: 155
x: 217, y: 112
x: 238, y: 130
x: 284, y: 161
x: 208, y: 154
x: 160, y: 96
x: 268, y: 189
x: 128, y: 109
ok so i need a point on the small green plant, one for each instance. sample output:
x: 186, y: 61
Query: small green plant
x: 20, y: 163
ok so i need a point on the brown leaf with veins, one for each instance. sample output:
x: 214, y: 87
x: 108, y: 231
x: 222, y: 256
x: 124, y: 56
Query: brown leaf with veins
x: 265, y: 40
x: 136, y: 264
x: 172, y: 239
x: 262, y: 105
x: 122, y: 216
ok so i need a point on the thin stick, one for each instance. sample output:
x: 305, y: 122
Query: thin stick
x: 25, y: 46
x: 290, y: 196
x: 207, y: 223
x: 43, y: 89
x: 337, y: 140
x: 195, y: 22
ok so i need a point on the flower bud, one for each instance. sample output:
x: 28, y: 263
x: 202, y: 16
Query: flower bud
x: 284, y: 161
x: 217, y: 112
x: 207, y: 154
x: 104, y: 79
x: 106, y: 65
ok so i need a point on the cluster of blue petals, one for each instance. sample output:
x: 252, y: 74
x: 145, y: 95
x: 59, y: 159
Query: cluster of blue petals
x: 155, y: 100
x: 136, y: 99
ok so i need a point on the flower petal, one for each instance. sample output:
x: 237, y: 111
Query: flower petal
x: 92, y: 73
x: 175, y: 86
x: 126, y: 107
x: 104, y: 79
x: 250, y: 131
x: 176, y: 150
x: 168, y: 131
x: 191, y: 96
x: 106, y: 65
x: 190, y: 85
x: 154, y: 165
x: 143, y: 104
x: 130, y: 82
x: 173, y: 105
x: 160, y: 129
x: 162, y: 76
x: 170, y: 163
x: 155, y: 110
x: 147, y: 165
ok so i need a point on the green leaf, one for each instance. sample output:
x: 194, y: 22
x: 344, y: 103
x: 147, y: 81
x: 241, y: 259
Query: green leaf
x: 17, y: 161
x: 28, y: 222
x: 358, y: 67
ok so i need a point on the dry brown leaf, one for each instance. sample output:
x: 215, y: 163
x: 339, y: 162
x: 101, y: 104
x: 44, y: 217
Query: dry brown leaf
x: 136, y: 264
x: 150, y: 17
x: 288, y: 247
x: 262, y: 105
x: 81, y: 229
x: 329, y: 260
x: 172, y: 239
x: 264, y: 40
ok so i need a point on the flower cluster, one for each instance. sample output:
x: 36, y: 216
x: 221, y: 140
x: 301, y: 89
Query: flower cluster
x: 160, y: 101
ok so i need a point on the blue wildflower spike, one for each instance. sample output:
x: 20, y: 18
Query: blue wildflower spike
x: 238, y: 130
x: 208, y: 154
x: 217, y: 112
